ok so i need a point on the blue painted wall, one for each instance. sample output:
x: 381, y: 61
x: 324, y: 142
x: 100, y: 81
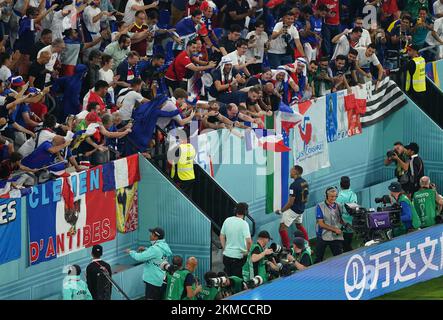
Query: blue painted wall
x: 187, y: 232
x: 359, y: 157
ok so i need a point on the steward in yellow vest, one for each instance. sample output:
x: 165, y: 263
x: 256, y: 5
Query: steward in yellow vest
x: 182, y: 170
x: 416, y: 76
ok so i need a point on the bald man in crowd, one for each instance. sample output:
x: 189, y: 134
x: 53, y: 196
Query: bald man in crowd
x: 183, y: 285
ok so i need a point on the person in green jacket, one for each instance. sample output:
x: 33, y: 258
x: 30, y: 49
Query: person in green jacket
x: 300, y: 256
x: 74, y: 288
x: 256, y: 261
x: 346, y: 195
x: 426, y: 202
x: 153, y: 256
x: 409, y: 217
x: 209, y: 292
x: 231, y: 286
x: 182, y: 284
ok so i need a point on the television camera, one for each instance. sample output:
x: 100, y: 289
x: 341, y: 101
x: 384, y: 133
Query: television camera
x: 375, y: 226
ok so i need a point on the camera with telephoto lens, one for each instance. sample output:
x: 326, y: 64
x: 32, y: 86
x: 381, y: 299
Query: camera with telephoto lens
x: 218, y: 282
x: 169, y: 268
x: 280, y: 254
x: 391, y: 153
x: 254, y: 282
x: 384, y: 199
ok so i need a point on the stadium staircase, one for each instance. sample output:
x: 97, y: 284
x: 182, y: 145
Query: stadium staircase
x: 207, y: 195
x: 434, y: 101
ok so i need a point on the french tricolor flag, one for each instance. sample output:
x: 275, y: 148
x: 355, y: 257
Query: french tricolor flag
x: 120, y: 173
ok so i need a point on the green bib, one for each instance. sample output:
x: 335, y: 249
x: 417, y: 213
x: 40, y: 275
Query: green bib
x: 415, y: 219
x: 425, y: 205
x: 176, y: 285
x: 236, y: 284
x: 209, y: 293
x: 248, y: 267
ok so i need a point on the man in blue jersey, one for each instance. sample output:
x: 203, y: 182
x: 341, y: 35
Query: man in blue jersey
x: 294, y: 208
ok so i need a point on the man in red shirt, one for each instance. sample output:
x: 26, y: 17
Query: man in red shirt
x: 139, y: 45
x: 331, y: 26
x: 97, y: 95
x: 182, y: 68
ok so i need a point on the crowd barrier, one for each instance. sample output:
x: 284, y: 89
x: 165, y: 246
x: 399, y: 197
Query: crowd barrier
x: 364, y: 273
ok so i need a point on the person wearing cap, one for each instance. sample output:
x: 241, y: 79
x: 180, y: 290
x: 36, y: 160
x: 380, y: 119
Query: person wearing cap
x: 416, y: 75
x: 408, y: 216
x: 98, y: 284
x: 235, y: 239
x: 300, y: 234
x: 256, y: 261
x: 346, y: 195
x: 427, y: 202
x: 74, y: 288
x: 300, y: 255
x: 182, y: 170
x: 153, y: 256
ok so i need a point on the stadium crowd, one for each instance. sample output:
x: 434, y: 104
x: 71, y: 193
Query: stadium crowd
x: 85, y: 82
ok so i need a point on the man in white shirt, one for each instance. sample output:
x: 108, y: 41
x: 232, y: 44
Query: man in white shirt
x: 92, y: 16
x: 284, y: 32
x: 438, y: 8
x: 435, y: 37
x: 238, y: 57
x: 366, y: 57
x: 132, y: 6
x: 54, y: 49
x: 128, y: 97
x: 235, y: 239
x: 365, y: 39
x: 345, y: 41
x: 258, y: 41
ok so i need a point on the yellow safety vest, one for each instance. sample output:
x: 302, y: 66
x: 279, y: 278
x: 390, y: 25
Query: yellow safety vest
x: 185, y: 164
x: 419, y: 76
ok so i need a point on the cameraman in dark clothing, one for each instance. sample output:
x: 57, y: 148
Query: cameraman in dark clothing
x: 416, y: 168
x: 99, y: 286
x: 399, y: 156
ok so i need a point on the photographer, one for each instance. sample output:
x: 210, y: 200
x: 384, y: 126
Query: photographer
x: 408, y: 215
x: 230, y: 285
x: 182, y: 285
x: 329, y: 223
x: 153, y: 275
x: 300, y: 256
x: 256, y: 262
x: 427, y: 202
x: 400, y: 158
x: 209, y: 292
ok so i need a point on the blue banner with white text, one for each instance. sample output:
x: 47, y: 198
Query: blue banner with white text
x: 10, y: 229
x: 364, y: 273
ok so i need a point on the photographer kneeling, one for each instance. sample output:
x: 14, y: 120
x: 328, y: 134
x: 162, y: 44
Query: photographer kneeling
x: 409, y: 217
x: 182, y: 284
x: 210, y: 292
x: 301, y: 256
x: 257, y: 259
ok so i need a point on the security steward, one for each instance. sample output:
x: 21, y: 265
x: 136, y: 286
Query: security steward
x: 182, y: 285
x: 256, y: 261
x: 182, y: 170
x: 416, y: 75
x: 329, y: 223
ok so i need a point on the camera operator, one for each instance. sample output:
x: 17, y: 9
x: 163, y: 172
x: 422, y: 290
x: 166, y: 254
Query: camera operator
x: 182, y: 285
x: 153, y: 256
x: 398, y: 156
x: 408, y: 215
x: 346, y: 195
x: 209, y: 292
x: 257, y: 258
x: 427, y: 202
x: 300, y: 256
x: 329, y: 223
